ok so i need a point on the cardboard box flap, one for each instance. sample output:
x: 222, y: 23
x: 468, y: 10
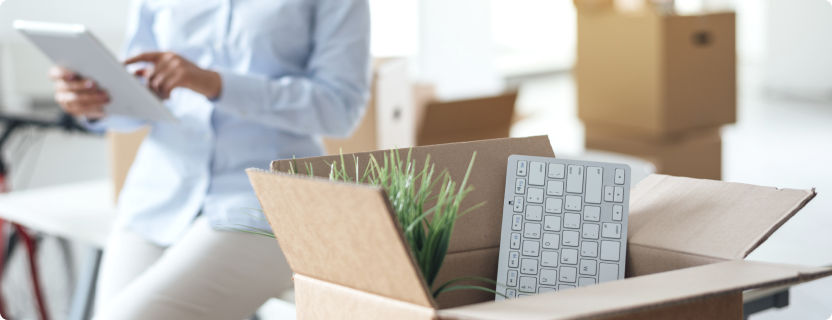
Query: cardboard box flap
x: 340, y: 233
x: 704, y: 219
x: 637, y: 294
x: 480, y: 229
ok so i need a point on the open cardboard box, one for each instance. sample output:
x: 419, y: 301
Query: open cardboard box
x: 687, y: 240
x: 481, y: 118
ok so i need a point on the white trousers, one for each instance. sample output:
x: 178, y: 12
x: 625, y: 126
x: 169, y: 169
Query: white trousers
x: 208, y: 274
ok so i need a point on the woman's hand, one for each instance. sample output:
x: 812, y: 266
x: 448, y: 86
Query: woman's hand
x: 171, y: 71
x: 78, y: 96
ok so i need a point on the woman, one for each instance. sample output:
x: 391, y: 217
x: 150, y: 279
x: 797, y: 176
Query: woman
x: 250, y: 81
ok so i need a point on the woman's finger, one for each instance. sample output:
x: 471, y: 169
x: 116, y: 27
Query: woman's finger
x: 172, y: 82
x: 145, y: 57
x: 76, y: 85
x: 61, y: 73
x: 82, y: 100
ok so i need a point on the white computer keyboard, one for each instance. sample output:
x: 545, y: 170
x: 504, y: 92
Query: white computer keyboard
x: 564, y: 225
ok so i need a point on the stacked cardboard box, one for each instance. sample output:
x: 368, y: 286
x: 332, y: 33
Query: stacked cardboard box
x: 657, y: 86
x: 351, y: 261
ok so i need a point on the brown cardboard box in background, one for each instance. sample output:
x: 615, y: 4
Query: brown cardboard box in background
x: 423, y: 95
x: 658, y: 74
x: 694, y: 154
x: 467, y: 120
x: 123, y: 148
x: 693, y: 270
x: 390, y: 119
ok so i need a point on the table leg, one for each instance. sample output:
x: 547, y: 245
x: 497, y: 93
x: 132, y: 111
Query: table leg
x: 84, y: 296
x: 775, y: 300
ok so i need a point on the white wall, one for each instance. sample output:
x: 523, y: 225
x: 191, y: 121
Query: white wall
x: 799, y: 47
x: 533, y: 36
x: 456, y: 50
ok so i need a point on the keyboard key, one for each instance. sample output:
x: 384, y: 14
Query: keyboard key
x: 537, y: 173
x: 551, y: 223
x: 594, y: 183
x: 528, y: 266
x: 611, y: 230
x: 528, y: 284
x: 534, y: 213
x: 554, y: 188
x: 575, y: 179
x: 568, y: 274
x: 573, y: 203
x: 511, y: 293
x: 549, y: 259
x: 551, y: 241
x: 520, y: 186
x: 588, y: 267
x: 523, y: 296
x: 590, y: 231
x: 608, y: 193
x: 619, y: 194
x: 619, y: 176
x: 554, y: 205
x: 548, y: 276
x: 521, y: 168
x: 511, y: 280
x: 570, y: 238
x: 516, y: 222
x: 583, y: 282
x: 518, y: 204
x: 535, y: 195
x: 531, y: 248
x: 589, y: 249
x: 514, y: 259
x: 617, y: 212
x: 565, y: 287
x: 572, y: 221
x: 608, y: 272
x: 610, y: 250
x: 546, y: 289
x: 592, y: 213
x: 569, y: 256
x: 515, y: 241
x: 532, y: 230
x: 556, y: 170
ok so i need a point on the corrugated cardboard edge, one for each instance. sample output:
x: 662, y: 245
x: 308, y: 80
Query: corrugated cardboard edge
x: 812, y: 194
x: 692, y: 258
x: 252, y: 172
x: 493, y: 310
x: 347, y: 303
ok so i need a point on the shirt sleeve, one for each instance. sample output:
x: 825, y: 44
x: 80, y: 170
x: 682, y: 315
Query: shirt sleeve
x: 139, y: 38
x: 330, y: 98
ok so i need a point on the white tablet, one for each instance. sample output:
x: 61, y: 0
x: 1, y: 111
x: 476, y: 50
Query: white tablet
x: 73, y: 47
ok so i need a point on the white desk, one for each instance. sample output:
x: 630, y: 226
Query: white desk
x: 81, y: 211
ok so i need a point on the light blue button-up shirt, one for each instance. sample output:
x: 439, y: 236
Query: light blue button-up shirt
x: 292, y: 71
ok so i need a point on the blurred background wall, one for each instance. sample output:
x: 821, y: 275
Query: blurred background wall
x: 465, y: 48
